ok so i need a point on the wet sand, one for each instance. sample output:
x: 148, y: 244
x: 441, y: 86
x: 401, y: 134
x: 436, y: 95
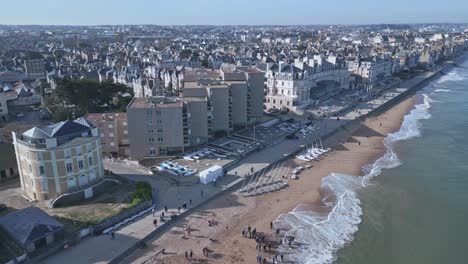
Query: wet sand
x: 233, y: 212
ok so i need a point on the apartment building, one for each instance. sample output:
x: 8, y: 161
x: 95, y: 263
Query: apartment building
x: 3, y: 107
x: 212, y: 103
x: 35, y: 69
x: 288, y: 86
x: 292, y: 86
x: 58, y: 158
x: 113, y: 128
x: 155, y: 127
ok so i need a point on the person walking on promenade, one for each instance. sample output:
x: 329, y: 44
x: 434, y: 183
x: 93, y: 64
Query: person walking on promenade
x: 190, y: 201
x: 191, y: 254
x: 155, y: 222
x: 271, y: 225
x: 152, y: 211
x: 179, y: 209
x: 201, y: 194
x: 165, y: 209
x: 243, y: 233
x: 112, y: 235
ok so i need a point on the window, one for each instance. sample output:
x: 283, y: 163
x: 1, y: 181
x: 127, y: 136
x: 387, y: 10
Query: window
x: 44, y: 186
x: 125, y: 132
x: 110, y: 126
x: 90, y: 161
x: 67, y: 154
x: 2, y: 174
x: 41, y: 170
x: 32, y: 183
x: 160, y: 130
x: 152, y: 152
x: 124, y: 123
x: 111, y: 135
x: 112, y: 143
x: 79, y: 151
x: 151, y: 139
x: 160, y: 139
x: 12, y: 171
x: 80, y: 164
x: 88, y: 148
x: 71, y: 182
x: 30, y: 168
x: 83, y: 180
x: 92, y: 175
x: 39, y: 156
x: 159, y: 121
x: 150, y: 131
x: 69, y: 166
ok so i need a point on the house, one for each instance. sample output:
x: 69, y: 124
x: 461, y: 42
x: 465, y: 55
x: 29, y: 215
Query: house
x: 32, y: 228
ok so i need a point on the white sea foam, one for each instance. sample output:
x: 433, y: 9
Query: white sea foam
x: 320, y: 235
x: 453, y: 76
x: 442, y: 90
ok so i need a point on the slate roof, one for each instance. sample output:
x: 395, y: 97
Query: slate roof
x: 59, y: 129
x: 29, y: 225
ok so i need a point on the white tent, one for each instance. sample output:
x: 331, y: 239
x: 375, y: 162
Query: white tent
x: 210, y: 174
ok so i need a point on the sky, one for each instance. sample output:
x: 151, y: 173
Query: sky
x: 231, y: 12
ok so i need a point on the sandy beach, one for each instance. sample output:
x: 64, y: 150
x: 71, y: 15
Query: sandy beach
x: 233, y: 212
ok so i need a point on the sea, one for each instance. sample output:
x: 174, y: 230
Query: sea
x: 411, y: 205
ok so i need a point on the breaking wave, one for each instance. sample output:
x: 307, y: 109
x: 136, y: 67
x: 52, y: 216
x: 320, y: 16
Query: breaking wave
x: 442, y: 90
x: 453, y: 76
x: 320, y: 234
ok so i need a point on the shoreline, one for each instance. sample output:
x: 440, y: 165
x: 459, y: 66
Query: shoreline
x: 235, y: 212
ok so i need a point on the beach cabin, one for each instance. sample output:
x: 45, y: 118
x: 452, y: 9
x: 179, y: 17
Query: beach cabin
x: 211, y: 174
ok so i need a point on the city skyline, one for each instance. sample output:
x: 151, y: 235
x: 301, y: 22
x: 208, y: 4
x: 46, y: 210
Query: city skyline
x: 242, y: 12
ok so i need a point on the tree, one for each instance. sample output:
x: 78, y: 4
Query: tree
x: 185, y: 53
x: 88, y: 95
x: 205, y: 62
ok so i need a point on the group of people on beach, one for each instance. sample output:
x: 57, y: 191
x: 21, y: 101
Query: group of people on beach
x: 261, y: 244
x: 275, y: 259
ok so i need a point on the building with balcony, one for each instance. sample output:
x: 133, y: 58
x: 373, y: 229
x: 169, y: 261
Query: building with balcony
x: 295, y: 85
x: 58, y: 158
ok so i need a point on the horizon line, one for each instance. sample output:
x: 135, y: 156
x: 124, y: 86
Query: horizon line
x: 251, y: 25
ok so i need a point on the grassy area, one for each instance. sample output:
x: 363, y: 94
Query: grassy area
x: 104, y: 206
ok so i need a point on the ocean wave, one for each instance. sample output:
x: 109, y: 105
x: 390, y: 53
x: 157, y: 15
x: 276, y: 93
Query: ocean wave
x: 453, y: 76
x: 320, y: 235
x: 442, y: 90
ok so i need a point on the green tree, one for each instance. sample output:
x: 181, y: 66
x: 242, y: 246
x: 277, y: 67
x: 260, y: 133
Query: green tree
x: 88, y: 95
x: 185, y: 53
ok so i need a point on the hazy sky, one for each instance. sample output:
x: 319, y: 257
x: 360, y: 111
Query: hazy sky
x: 225, y: 12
